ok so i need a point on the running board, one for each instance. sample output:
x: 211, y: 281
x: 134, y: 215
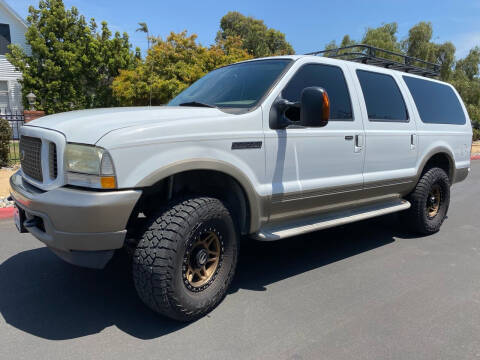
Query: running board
x: 330, y: 220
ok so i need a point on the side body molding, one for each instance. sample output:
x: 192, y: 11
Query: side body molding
x: 257, y: 204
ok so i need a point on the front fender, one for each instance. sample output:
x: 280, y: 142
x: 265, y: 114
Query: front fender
x: 148, y: 167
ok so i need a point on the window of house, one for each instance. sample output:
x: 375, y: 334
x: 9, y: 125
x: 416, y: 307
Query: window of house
x: 4, y: 38
x: 436, y: 103
x: 382, y: 96
x: 4, y: 101
x: 330, y: 78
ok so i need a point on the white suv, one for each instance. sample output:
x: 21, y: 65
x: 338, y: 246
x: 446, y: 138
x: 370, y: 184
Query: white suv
x: 268, y: 148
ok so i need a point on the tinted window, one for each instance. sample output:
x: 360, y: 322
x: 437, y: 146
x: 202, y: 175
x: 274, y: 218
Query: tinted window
x: 239, y: 85
x: 382, y: 97
x: 328, y: 77
x: 436, y: 103
x: 4, y: 38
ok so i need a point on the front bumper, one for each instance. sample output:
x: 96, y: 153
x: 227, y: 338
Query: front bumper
x: 82, y: 227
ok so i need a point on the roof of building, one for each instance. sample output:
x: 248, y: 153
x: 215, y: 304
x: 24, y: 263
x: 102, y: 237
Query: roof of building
x: 13, y: 13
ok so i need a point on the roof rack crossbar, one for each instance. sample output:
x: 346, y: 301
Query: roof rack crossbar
x: 371, y: 55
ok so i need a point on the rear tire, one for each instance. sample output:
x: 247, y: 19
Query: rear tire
x: 430, y: 201
x: 186, y: 258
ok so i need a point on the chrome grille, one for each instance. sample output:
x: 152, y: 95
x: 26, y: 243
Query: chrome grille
x: 52, y: 160
x: 31, y: 157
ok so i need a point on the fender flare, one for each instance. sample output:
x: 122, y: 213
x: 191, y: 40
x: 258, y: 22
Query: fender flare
x: 256, y: 203
x: 435, y: 151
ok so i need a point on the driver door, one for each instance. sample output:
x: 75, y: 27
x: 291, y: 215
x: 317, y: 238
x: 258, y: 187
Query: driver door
x: 314, y: 170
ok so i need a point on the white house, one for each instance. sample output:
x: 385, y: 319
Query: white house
x: 12, y: 31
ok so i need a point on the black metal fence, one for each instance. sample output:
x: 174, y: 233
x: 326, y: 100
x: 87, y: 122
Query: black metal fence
x: 16, y: 120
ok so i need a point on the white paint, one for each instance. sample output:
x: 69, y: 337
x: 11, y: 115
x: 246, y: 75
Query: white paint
x: 18, y: 27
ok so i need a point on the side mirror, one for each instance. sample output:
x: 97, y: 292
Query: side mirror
x: 277, y: 119
x: 314, y: 107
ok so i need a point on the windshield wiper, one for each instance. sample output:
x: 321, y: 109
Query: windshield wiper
x: 197, y: 103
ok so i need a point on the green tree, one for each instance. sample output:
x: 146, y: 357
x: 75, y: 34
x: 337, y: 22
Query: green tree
x: 469, y: 65
x: 257, y: 38
x: 383, y: 37
x: 419, y: 45
x: 171, y: 65
x: 466, y: 80
x: 445, y: 56
x: 72, y: 63
x: 346, y: 41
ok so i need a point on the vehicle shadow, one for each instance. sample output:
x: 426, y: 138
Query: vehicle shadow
x: 44, y: 296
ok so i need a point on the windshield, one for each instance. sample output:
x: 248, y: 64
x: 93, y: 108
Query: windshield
x: 235, y: 86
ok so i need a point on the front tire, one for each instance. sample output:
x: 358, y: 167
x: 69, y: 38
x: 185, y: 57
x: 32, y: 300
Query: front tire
x: 430, y: 201
x: 186, y: 258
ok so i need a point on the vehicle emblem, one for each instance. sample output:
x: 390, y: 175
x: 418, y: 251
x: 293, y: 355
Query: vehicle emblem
x: 22, y: 155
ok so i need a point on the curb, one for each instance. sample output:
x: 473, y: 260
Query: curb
x: 475, y: 157
x: 6, y: 213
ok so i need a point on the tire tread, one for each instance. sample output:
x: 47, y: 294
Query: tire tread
x: 153, y: 271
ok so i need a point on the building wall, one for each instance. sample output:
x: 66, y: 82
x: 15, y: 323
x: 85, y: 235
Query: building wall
x: 7, y: 70
x: 11, y: 76
x: 17, y: 28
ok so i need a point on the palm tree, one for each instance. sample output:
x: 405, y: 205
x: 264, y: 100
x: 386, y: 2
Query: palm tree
x: 144, y: 28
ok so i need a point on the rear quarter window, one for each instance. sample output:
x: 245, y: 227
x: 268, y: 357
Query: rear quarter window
x: 436, y: 103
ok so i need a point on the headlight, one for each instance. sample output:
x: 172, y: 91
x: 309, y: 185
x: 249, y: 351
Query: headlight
x: 90, y: 166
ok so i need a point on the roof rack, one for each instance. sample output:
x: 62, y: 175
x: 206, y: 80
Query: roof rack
x: 371, y: 55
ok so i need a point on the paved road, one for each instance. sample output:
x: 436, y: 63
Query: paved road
x: 363, y: 291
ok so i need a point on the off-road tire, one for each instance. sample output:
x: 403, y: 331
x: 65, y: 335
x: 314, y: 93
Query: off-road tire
x: 159, y: 259
x: 417, y: 217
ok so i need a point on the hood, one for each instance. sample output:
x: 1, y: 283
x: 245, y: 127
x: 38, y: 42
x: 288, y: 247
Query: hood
x: 88, y: 126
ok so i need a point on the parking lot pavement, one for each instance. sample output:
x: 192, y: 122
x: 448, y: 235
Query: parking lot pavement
x: 363, y: 291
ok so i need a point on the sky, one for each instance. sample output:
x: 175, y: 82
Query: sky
x: 308, y: 25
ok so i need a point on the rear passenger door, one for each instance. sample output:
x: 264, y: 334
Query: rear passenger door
x: 390, y: 132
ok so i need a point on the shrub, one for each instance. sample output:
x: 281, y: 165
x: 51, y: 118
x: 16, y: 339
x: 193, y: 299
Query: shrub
x: 5, y: 138
x: 476, y: 134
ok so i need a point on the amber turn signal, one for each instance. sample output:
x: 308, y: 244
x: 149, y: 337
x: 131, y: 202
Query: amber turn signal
x: 326, y: 107
x: 107, y: 182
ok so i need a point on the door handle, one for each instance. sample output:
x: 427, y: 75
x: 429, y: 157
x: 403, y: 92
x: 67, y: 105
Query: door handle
x: 358, y: 143
x: 413, y: 141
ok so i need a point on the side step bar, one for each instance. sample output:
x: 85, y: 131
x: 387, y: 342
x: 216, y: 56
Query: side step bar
x: 330, y: 220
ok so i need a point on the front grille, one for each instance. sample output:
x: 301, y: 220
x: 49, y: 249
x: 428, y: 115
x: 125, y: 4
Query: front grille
x: 52, y: 160
x: 31, y: 157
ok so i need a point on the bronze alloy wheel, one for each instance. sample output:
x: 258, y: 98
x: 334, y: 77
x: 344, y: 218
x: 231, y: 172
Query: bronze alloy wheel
x: 202, y: 260
x: 434, y: 201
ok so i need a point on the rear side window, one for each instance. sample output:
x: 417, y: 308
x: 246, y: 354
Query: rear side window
x: 328, y: 77
x: 436, y: 103
x: 382, y: 96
